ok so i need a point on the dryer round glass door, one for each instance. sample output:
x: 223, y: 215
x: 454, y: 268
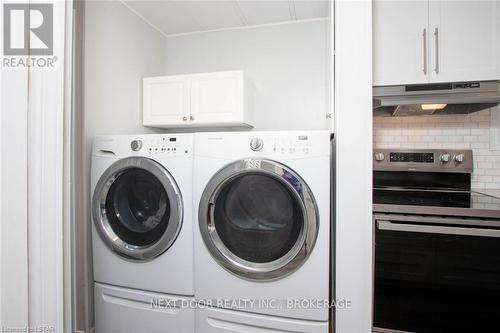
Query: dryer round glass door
x: 258, y: 219
x: 137, y: 208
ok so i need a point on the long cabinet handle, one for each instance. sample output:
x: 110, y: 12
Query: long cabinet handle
x: 424, y: 37
x: 436, y: 39
x: 431, y: 229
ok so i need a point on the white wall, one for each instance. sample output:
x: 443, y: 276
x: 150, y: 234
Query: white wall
x: 441, y: 132
x: 119, y: 50
x: 286, y: 62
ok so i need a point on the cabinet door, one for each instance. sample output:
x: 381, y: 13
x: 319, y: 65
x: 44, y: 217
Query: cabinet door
x: 217, y: 98
x: 166, y: 101
x: 400, y: 42
x: 463, y: 45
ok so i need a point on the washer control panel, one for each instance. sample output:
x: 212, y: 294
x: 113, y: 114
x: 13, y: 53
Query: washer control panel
x: 163, y: 145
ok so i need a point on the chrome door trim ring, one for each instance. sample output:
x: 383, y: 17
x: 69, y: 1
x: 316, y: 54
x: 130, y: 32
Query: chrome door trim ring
x: 103, y: 226
x: 280, y: 267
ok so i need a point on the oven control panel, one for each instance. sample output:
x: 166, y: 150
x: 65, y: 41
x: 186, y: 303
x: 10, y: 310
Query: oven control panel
x: 412, y: 157
x: 428, y: 160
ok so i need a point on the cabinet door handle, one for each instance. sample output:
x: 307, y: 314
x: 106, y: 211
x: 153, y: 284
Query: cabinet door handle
x: 436, y: 38
x: 424, y: 37
x: 184, y: 118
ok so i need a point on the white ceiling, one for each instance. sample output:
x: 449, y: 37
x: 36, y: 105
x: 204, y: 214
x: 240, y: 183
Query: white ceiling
x: 184, y: 16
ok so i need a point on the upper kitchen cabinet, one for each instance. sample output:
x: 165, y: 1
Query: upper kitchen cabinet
x: 435, y: 41
x: 463, y: 40
x: 214, y: 99
x: 400, y: 42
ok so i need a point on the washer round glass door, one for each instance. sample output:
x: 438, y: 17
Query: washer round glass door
x: 258, y: 219
x: 137, y: 208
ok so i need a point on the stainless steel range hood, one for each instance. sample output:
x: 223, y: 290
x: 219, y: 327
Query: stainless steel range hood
x: 439, y: 98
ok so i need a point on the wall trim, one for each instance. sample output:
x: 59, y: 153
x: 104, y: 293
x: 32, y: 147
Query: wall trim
x: 142, y: 17
x: 256, y: 26
x: 248, y: 27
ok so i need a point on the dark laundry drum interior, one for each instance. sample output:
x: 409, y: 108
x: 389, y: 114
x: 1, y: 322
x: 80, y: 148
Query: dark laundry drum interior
x: 137, y: 207
x: 258, y: 218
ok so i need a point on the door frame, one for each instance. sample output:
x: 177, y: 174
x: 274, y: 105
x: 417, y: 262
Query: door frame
x: 49, y: 202
x: 13, y: 196
x: 353, y: 166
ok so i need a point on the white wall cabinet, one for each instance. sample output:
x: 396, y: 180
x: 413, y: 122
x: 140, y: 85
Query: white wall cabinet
x: 399, y: 42
x: 215, y: 99
x: 435, y: 41
x: 166, y: 100
x: 463, y: 40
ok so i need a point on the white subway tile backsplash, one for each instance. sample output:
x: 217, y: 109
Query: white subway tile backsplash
x: 483, y: 165
x: 476, y: 131
x: 478, y: 145
x: 445, y: 132
x: 470, y: 138
x: 491, y: 172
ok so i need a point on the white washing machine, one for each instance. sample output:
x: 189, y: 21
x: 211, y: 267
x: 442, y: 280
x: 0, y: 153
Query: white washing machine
x: 142, y: 233
x: 262, y: 237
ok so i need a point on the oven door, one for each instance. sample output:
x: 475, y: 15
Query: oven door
x: 436, y: 274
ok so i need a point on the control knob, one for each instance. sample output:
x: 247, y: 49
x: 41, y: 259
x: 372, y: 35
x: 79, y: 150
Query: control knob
x: 379, y: 157
x: 445, y: 158
x: 459, y: 158
x: 256, y: 144
x: 136, y: 145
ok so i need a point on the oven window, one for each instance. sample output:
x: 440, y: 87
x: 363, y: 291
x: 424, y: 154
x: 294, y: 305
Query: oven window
x: 137, y: 207
x: 258, y: 218
x: 436, y: 282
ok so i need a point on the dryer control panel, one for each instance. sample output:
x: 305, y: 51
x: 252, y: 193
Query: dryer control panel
x: 275, y: 145
x: 282, y: 146
x: 299, y: 145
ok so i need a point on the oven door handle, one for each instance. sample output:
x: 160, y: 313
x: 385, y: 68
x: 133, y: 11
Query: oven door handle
x: 432, y: 229
x: 388, y: 330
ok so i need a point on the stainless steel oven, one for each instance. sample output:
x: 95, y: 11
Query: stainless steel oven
x: 437, y: 247
x: 436, y: 274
